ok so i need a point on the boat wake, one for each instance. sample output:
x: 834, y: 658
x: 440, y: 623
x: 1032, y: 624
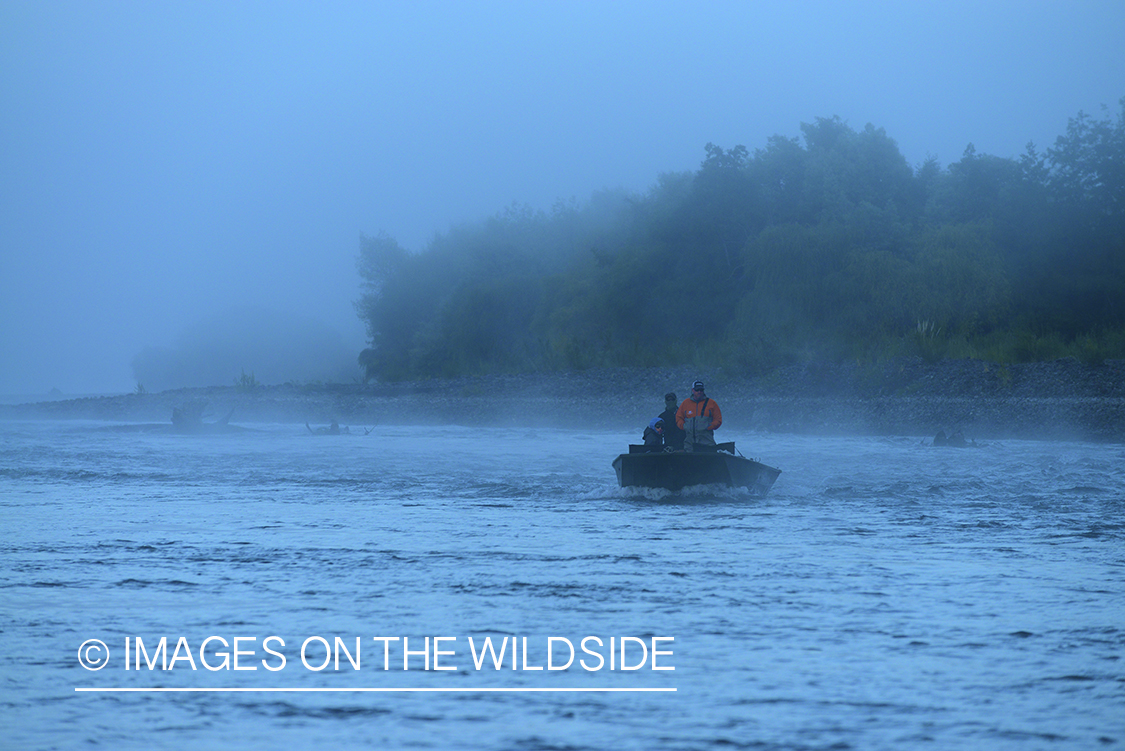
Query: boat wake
x: 690, y: 494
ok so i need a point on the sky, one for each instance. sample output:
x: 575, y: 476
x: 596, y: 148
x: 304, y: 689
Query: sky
x: 169, y: 166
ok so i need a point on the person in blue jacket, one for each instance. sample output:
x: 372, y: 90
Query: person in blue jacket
x: 654, y: 435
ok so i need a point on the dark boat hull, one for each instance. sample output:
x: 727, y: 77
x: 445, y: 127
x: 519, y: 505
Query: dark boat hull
x: 678, y: 470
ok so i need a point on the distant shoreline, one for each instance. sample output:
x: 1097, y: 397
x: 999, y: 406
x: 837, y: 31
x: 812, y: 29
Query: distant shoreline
x: 1062, y: 399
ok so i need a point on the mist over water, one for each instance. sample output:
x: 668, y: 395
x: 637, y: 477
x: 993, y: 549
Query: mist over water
x: 256, y: 344
x: 184, y: 190
x: 164, y: 164
x: 886, y: 594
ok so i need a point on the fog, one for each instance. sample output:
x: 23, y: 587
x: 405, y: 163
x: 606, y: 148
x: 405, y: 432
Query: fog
x: 168, y: 167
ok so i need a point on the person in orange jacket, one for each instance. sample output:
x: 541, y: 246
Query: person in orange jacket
x: 699, y: 417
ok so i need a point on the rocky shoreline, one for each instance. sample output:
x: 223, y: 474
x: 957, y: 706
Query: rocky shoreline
x: 1063, y: 399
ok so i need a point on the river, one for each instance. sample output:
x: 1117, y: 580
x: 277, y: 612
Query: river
x: 884, y: 595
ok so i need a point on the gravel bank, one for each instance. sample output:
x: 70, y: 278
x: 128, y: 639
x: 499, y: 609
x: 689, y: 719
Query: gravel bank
x: 1060, y: 399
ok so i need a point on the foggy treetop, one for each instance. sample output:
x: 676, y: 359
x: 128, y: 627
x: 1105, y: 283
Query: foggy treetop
x: 828, y: 247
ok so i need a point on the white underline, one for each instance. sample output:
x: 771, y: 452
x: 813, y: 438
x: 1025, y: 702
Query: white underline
x: 372, y: 690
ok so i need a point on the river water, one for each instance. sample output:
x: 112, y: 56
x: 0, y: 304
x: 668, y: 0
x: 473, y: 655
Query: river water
x: 885, y: 595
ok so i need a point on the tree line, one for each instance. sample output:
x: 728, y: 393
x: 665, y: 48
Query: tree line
x: 825, y: 247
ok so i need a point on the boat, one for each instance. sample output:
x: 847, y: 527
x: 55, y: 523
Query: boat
x: 676, y: 470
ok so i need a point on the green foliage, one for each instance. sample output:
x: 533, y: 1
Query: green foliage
x: 832, y: 248
x: 930, y: 344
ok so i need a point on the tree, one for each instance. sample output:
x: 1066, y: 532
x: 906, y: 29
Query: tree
x: 380, y: 260
x: 831, y: 248
x: 1088, y: 164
